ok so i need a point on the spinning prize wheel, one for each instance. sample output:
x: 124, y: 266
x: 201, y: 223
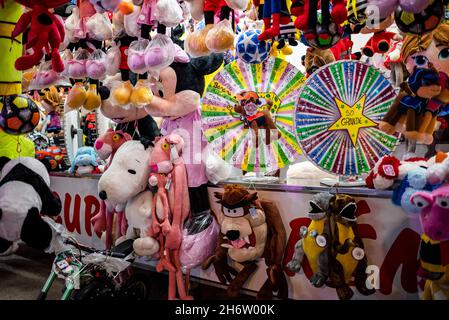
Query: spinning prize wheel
x: 337, y: 114
x: 238, y: 98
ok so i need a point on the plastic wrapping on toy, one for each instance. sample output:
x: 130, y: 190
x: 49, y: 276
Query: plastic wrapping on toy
x: 159, y: 54
x: 118, y: 25
x: 168, y: 12
x: 195, y: 44
x: 76, y: 67
x: 136, y: 56
x: 99, y: 27
x: 237, y: 4
x: 216, y: 168
x: 112, y: 265
x: 45, y: 77
x: 113, y: 58
x: 120, y: 93
x: 59, y: 234
x: 132, y: 28
x: 96, y: 65
x: 197, y: 247
x: 221, y: 37
x: 71, y: 27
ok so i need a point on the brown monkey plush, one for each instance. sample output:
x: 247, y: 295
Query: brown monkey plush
x: 250, y: 229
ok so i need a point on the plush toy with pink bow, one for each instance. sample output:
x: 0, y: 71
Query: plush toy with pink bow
x: 434, y: 247
x: 171, y: 207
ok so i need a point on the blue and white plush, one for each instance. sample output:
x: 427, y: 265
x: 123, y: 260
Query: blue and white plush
x: 250, y: 49
x: 85, y: 160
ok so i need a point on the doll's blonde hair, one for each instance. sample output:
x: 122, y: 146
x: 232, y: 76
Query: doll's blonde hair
x: 415, y: 43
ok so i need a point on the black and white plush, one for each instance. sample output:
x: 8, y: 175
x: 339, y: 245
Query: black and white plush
x: 25, y: 195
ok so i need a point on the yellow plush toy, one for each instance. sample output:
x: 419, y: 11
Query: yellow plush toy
x: 11, y: 49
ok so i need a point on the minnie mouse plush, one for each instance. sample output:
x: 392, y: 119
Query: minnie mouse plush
x: 177, y: 99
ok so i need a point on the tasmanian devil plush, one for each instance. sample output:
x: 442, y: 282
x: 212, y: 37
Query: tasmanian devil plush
x: 24, y: 196
x: 250, y: 230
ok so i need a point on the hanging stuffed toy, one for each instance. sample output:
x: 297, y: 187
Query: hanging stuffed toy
x: 46, y: 33
x: 177, y: 100
x: 251, y: 229
x: 168, y: 173
x: 316, y: 58
x: 348, y: 261
x: 275, y: 14
x: 52, y: 101
x: 394, y: 62
x: 434, y: 247
x: 323, y: 32
x: 25, y: 196
x: 314, y: 244
x: 334, y: 252
x: 416, y: 111
x: 217, y: 37
x: 10, y: 77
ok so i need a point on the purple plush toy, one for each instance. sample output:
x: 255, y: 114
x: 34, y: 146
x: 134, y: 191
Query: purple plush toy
x: 387, y: 7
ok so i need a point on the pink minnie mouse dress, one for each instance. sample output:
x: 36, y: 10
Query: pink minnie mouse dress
x: 146, y: 15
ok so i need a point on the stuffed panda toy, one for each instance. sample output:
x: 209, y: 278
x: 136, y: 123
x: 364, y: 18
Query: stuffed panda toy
x: 25, y: 196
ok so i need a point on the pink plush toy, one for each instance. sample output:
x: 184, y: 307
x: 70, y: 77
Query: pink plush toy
x: 108, y: 143
x: 434, y: 247
x: 168, y: 173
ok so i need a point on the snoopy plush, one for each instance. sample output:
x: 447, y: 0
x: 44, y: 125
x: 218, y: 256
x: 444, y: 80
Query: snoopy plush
x: 25, y: 195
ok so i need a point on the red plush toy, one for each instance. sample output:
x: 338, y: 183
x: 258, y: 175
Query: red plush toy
x: 46, y: 32
x: 338, y: 12
x: 378, y: 43
x: 342, y: 50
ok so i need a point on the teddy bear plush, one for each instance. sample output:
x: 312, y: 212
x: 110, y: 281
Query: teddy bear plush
x: 25, y: 195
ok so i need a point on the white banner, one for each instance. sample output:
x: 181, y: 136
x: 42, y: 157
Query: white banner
x: 391, y: 238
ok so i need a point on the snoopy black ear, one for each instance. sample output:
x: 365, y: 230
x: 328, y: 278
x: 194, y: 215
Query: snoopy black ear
x: 3, y: 160
x: 146, y: 142
x: 104, y: 92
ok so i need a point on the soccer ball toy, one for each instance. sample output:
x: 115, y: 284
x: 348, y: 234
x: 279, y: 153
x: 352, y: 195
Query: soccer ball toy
x: 250, y: 49
x: 19, y: 114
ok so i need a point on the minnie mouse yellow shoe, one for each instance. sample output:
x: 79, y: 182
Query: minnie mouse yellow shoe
x: 93, y: 100
x: 141, y: 95
x: 122, y: 93
x: 77, y: 96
